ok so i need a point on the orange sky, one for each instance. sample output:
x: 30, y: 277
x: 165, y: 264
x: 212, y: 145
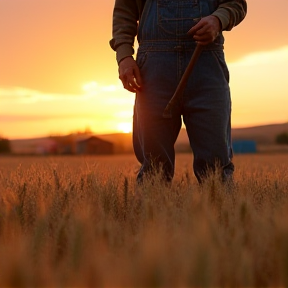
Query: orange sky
x: 58, y: 73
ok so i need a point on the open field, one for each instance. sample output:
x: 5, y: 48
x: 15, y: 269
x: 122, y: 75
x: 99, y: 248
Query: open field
x: 75, y: 222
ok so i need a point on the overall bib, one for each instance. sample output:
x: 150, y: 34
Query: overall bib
x: 163, y: 54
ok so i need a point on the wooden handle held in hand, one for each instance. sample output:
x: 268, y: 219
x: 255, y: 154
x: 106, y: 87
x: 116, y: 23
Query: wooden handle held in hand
x: 181, y: 86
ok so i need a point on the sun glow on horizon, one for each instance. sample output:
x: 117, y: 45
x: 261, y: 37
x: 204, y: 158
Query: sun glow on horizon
x: 125, y: 127
x: 90, y: 87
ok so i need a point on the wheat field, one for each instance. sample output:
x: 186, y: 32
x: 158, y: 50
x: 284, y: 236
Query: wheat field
x: 76, y: 222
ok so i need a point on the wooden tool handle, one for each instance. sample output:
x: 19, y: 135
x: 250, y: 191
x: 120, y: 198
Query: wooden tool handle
x: 182, y: 84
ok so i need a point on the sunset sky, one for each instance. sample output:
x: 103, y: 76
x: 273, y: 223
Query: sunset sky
x: 58, y: 74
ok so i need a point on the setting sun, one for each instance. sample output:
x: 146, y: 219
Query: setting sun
x: 125, y: 127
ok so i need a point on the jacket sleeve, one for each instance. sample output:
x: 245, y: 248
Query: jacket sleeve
x: 125, y: 23
x: 231, y: 13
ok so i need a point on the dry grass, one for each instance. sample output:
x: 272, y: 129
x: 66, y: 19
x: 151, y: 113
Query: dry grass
x: 75, y: 222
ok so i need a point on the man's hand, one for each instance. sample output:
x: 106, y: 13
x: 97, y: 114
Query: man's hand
x: 206, y: 30
x: 129, y: 74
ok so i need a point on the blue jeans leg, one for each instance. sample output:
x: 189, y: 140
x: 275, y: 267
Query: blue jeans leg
x: 207, y: 115
x: 154, y: 136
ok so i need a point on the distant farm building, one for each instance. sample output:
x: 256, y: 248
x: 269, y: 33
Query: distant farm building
x: 38, y: 146
x: 94, y: 145
x: 244, y: 146
x: 63, y: 145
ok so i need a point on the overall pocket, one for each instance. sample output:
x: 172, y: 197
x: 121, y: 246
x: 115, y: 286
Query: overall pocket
x: 176, y: 17
x: 220, y: 59
x: 141, y: 58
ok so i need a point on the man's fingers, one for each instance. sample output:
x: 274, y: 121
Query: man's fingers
x: 129, y: 74
x: 137, y: 79
x: 128, y: 81
x: 130, y: 88
x: 131, y: 84
x: 195, y: 28
x: 206, y: 30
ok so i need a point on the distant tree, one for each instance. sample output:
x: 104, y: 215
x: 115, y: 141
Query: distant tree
x: 5, y: 146
x: 282, y: 138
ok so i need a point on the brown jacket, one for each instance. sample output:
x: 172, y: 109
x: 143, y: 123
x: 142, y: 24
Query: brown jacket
x: 127, y: 13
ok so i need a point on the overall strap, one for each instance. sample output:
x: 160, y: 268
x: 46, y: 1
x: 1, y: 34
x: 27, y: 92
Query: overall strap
x: 207, y: 7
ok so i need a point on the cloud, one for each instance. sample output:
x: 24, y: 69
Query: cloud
x: 109, y: 94
x: 17, y: 118
x: 26, y: 95
x: 279, y: 56
x: 263, y: 74
x: 32, y: 118
x: 259, y: 87
x: 103, y: 102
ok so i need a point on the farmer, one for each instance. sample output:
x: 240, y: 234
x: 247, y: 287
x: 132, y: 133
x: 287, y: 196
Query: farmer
x: 168, y: 32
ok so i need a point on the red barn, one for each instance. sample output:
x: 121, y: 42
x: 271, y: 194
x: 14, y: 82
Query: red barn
x: 94, y: 145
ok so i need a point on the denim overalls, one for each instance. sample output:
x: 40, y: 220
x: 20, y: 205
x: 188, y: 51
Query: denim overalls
x: 163, y: 54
